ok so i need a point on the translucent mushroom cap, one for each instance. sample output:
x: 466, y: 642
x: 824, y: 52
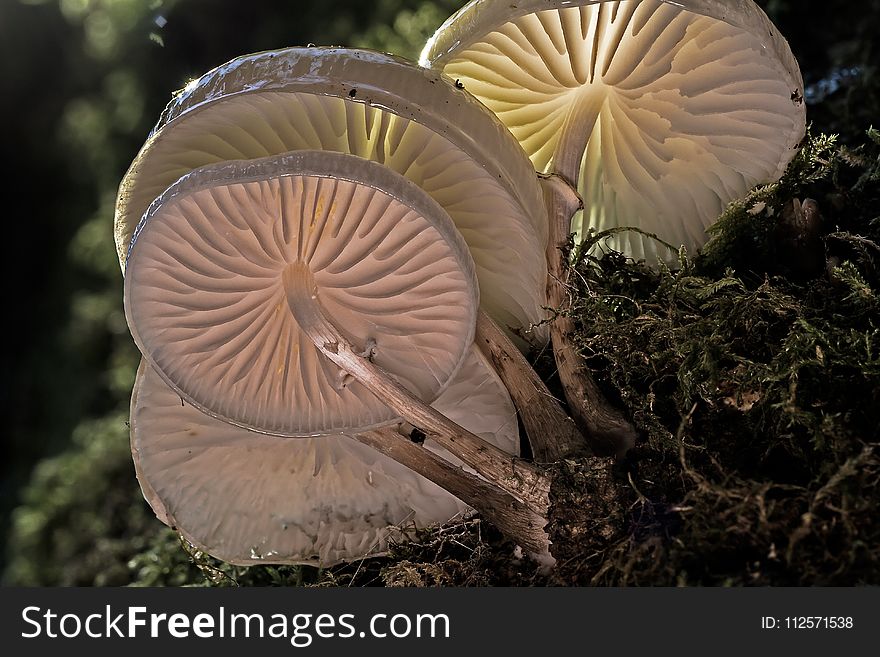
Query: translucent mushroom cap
x: 246, y: 497
x: 661, y: 112
x: 378, y: 107
x: 208, y: 301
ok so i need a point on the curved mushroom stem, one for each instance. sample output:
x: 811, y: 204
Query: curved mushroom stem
x: 522, y: 480
x: 607, y: 430
x: 513, y: 518
x: 552, y: 434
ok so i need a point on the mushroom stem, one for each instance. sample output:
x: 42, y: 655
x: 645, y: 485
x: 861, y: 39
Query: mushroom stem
x: 552, y: 433
x: 522, y: 480
x: 513, y: 518
x: 606, y: 429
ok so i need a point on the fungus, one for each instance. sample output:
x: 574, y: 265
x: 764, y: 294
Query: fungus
x: 318, y: 293
x: 410, y: 120
x: 247, y: 497
x: 658, y: 113
x: 406, y: 118
x: 225, y: 262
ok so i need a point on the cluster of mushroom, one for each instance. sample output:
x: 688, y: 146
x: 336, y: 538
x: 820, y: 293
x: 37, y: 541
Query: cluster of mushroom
x: 333, y: 259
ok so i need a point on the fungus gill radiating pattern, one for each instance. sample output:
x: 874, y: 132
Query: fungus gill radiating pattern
x: 670, y: 114
x: 425, y: 138
x: 206, y: 296
x: 303, y: 500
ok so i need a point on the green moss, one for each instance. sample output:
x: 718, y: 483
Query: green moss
x: 757, y: 391
x: 83, y: 516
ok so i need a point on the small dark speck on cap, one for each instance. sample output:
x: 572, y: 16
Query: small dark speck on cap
x: 352, y: 93
x: 458, y: 84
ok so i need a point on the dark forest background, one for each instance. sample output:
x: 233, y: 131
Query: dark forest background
x: 83, y: 81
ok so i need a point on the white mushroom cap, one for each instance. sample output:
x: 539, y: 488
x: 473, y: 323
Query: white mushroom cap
x: 378, y: 107
x: 246, y: 497
x: 662, y: 112
x: 207, y: 297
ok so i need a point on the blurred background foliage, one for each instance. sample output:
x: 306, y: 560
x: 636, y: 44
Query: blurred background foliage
x: 83, y: 83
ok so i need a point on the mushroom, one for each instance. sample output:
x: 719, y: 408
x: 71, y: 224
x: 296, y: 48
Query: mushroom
x: 381, y: 108
x: 247, y: 497
x: 317, y: 293
x: 658, y: 113
x: 414, y: 122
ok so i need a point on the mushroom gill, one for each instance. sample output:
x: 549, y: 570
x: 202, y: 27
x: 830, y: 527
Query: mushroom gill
x: 660, y: 112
